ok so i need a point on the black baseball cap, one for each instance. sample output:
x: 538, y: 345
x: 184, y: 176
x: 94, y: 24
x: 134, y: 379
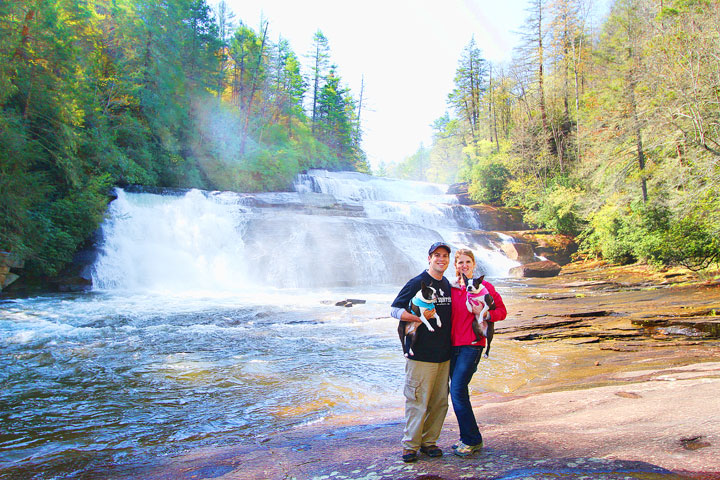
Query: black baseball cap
x: 437, y: 245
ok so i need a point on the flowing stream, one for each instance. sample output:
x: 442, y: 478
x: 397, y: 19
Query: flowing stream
x: 213, y: 320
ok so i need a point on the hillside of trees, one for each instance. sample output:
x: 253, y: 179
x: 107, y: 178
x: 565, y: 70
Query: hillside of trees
x: 610, y: 133
x: 103, y: 93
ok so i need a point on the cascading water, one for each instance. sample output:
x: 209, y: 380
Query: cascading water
x: 413, y: 203
x: 339, y: 229
x: 213, y: 320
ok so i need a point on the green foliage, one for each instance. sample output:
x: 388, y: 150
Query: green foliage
x: 413, y: 167
x: 490, y: 183
x: 689, y: 241
x: 119, y: 92
x: 62, y: 226
x: 470, y: 86
x: 611, y: 235
x: 484, y: 168
x: 559, y: 210
x: 652, y: 234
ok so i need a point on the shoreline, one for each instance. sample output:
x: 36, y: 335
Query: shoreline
x: 634, y: 396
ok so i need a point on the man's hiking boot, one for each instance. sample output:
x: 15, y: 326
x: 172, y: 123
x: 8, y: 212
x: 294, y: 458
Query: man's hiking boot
x: 432, y: 451
x: 409, y: 455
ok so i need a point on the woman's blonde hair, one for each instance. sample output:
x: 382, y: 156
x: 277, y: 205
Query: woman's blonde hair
x: 463, y: 251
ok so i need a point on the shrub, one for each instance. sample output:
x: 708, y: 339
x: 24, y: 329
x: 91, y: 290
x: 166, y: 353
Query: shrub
x: 607, y: 237
x: 558, y: 211
x: 690, y: 242
x: 489, y: 182
x: 624, y: 234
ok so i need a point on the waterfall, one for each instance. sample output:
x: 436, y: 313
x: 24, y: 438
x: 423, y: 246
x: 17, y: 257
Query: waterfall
x: 340, y: 229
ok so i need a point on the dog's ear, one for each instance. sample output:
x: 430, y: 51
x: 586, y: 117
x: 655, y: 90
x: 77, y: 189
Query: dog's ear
x: 465, y: 279
x: 423, y: 285
x: 481, y: 279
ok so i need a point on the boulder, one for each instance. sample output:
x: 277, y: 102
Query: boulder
x: 546, y: 268
x: 521, y: 252
x: 491, y: 218
x: 349, y: 302
x: 77, y: 275
x: 552, y: 246
x: 9, y: 261
x: 7, y: 278
x: 457, y: 188
x: 499, y: 219
x: 460, y: 190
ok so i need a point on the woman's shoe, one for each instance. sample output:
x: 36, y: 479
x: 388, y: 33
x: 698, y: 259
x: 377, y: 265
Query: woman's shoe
x: 463, y: 450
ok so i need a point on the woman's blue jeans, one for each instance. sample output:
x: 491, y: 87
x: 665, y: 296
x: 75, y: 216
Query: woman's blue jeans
x: 463, y: 364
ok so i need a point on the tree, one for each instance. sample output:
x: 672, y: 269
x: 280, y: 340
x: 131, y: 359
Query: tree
x: 533, y: 50
x: 621, y: 52
x: 225, y: 24
x: 470, y: 86
x: 287, y: 86
x: 335, y: 119
x: 320, y: 58
x: 566, y: 27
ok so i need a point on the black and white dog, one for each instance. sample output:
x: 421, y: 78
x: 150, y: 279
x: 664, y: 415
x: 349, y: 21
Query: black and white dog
x: 423, y: 300
x: 477, y: 294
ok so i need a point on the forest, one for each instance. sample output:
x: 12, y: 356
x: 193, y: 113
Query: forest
x: 609, y: 133
x: 102, y: 93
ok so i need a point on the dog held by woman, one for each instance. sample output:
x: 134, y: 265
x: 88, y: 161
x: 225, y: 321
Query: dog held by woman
x: 478, y: 294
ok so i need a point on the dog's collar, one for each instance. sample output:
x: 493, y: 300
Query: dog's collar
x: 421, y: 303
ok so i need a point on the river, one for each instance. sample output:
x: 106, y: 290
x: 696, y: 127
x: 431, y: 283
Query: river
x: 213, y: 320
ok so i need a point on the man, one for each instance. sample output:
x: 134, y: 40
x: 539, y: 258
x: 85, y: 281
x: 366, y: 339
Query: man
x: 427, y: 369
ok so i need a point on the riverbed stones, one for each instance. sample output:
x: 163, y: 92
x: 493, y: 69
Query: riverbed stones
x: 349, y: 302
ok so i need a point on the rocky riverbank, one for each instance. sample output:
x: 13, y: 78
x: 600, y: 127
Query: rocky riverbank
x: 634, y: 396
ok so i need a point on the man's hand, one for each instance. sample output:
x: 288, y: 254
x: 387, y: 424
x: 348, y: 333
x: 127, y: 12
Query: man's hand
x: 429, y: 314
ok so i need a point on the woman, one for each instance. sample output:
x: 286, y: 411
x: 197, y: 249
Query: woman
x: 466, y: 352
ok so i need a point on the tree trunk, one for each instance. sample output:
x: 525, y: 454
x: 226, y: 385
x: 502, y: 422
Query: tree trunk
x: 21, y: 50
x: 359, y: 111
x: 638, y: 136
x: 576, y: 53
x: 493, y: 112
x: 541, y: 74
x: 253, y: 88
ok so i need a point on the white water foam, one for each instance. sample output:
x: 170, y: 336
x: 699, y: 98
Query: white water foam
x: 209, y: 243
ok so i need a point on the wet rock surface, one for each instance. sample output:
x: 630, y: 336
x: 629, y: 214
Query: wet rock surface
x: 633, y: 396
x: 542, y: 269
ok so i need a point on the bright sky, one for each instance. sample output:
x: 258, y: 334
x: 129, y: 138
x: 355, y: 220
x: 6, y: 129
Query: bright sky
x: 407, y: 51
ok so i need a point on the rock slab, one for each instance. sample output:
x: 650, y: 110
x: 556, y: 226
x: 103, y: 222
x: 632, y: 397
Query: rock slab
x: 545, y: 268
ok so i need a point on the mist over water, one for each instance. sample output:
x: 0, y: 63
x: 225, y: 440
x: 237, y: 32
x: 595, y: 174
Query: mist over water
x: 212, y: 321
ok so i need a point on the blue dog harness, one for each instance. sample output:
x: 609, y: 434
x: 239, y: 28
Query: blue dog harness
x: 420, y: 303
